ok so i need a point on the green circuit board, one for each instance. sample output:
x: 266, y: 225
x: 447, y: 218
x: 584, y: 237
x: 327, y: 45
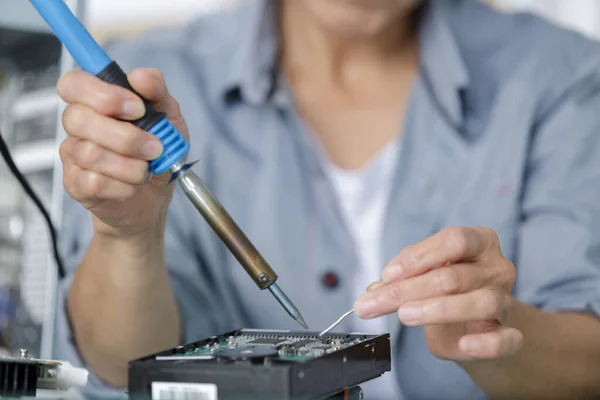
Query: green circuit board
x: 281, y: 346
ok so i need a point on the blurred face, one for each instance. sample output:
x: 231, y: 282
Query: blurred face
x: 357, y: 18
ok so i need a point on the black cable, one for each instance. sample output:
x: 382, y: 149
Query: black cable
x: 13, y: 168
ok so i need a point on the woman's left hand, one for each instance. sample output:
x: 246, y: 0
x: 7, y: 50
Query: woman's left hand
x: 456, y: 284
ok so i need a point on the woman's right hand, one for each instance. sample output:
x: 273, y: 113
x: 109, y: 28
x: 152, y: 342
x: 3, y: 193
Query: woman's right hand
x: 106, y: 158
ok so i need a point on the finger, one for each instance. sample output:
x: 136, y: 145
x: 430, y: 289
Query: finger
x: 120, y: 137
x: 89, y: 188
x: 65, y: 150
x: 448, y: 246
x: 150, y: 84
x: 501, y: 342
x: 107, y: 99
x: 89, y: 156
x: 479, y: 305
x: 386, y: 299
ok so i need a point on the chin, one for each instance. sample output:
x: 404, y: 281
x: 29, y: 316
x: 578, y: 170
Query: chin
x: 355, y: 19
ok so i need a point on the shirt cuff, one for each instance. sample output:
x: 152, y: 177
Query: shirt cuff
x: 566, y: 304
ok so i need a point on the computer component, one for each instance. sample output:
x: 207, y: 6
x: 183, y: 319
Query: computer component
x: 25, y: 376
x: 262, y: 364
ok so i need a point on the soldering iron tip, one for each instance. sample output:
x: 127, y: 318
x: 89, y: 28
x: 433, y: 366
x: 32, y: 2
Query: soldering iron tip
x: 302, y: 322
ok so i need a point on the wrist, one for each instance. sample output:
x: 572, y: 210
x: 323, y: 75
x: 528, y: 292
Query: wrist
x: 143, y: 243
x: 148, y: 229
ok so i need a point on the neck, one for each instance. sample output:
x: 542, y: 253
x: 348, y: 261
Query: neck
x: 308, y: 47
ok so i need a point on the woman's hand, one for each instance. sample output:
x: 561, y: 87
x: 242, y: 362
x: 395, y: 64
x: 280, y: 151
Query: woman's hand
x: 106, y: 159
x: 458, y: 286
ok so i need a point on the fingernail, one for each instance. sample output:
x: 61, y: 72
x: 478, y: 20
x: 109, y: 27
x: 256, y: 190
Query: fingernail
x: 374, y: 286
x: 392, y: 272
x: 148, y: 177
x: 134, y: 109
x: 152, y: 149
x: 365, y: 307
x: 410, y: 314
x: 470, y: 346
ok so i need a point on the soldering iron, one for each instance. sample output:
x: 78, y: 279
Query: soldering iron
x: 92, y: 59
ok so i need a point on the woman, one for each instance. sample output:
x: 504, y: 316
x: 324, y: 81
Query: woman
x: 345, y: 135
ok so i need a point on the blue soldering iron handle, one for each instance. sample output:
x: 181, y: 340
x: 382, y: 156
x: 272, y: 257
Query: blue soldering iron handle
x: 175, y: 146
x: 92, y: 58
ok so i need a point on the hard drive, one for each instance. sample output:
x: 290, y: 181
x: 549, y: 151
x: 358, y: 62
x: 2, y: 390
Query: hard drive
x: 261, y: 365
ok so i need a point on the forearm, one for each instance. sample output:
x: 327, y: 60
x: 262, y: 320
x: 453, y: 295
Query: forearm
x: 121, y: 305
x: 560, y: 358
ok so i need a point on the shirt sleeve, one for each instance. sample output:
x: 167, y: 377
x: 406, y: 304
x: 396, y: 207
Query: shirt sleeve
x: 558, y: 259
x: 75, y: 236
x: 203, y: 309
x: 202, y: 305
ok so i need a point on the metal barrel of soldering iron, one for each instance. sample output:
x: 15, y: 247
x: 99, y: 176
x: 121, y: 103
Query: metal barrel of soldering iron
x: 93, y: 59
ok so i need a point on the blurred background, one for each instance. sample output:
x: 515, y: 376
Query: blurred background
x: 31, y: 61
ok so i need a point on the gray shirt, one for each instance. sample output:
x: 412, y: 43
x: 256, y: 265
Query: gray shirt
x: 503, y: 131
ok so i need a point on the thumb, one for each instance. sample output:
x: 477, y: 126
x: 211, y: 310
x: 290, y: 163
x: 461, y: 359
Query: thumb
x: 151, y: 85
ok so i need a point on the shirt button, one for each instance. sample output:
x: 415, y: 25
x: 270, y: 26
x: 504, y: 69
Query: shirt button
x: 330, y: 280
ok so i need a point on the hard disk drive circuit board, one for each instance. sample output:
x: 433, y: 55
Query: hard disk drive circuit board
x: 283, y: 346
x: 253, y: 364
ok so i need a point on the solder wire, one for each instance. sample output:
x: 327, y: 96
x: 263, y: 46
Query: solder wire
x: 336, y: 323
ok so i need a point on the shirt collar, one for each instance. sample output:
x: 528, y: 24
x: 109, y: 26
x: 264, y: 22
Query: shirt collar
x: 252, y: 62
x: 441, y: 61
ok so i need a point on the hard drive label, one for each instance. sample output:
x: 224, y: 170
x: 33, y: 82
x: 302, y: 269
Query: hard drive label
x: 183, y: 391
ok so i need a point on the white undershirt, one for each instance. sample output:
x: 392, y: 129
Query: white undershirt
x: 363, y: 197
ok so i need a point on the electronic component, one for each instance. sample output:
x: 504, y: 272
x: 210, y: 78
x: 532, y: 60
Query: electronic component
x: 266, y: 341
x: 262, y: 364
x: 25, y: 376
x: 249, y: 353
x: 302, y: 343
